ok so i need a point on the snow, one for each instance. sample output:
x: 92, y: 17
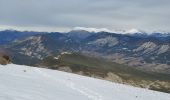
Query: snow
x: 132, y: 31
x: 56, y: 58
x: 18, y: 82
x: 65, y: 53
x: 96, y: 30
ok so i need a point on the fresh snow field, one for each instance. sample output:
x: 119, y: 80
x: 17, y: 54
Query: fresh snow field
x: 19, y: 82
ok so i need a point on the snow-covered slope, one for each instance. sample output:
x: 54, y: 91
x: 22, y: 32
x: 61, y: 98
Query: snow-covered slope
x: 29, y: 83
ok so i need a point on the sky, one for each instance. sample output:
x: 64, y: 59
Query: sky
x: 62, y: 15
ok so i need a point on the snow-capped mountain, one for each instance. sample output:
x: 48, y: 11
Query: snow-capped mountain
x: 31, y: 83
x: 133, y: 31
x: 97, y: 30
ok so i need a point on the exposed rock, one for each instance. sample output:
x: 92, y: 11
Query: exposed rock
x: 66, y: 69
x: 4, y: 59
x: 163, y: 49
x: 110, y: 41
x: 113, y: 77
x: 35, y: 48
x: 146, y: 47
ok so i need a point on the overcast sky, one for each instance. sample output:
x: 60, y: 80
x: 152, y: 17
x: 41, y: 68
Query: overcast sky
x: 148, y: 15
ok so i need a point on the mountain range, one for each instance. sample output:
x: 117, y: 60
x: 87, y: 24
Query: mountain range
x: 95, y: 54
x: 136, y: 49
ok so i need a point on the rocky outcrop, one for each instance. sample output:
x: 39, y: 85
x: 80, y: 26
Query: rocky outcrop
x: 4, y: 59
x: 113, y: 77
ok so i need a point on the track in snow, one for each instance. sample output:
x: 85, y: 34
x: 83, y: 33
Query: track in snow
x: 19, y: 82
x: 92, y: 95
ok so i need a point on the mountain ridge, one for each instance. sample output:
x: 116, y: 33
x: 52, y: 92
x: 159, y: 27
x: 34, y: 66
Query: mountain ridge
x: 146, y: 49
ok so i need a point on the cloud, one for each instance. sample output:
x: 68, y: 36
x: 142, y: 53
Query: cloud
x: 143, y: 14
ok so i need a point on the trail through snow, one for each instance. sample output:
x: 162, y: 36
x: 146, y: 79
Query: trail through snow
x: 81, y: 89
x: 19, y: 82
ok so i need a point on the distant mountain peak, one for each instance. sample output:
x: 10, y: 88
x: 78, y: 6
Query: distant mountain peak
x: 96, y: 30
x: 133, y: 31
